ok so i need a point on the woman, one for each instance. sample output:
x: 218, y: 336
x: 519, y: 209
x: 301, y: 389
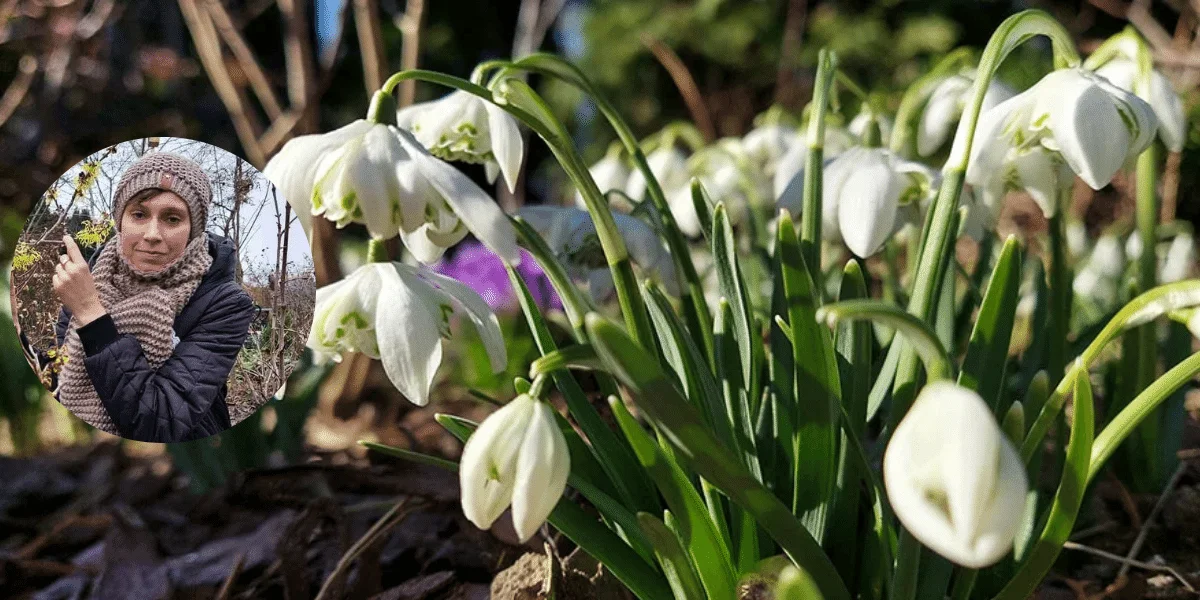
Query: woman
x: 152, y: 330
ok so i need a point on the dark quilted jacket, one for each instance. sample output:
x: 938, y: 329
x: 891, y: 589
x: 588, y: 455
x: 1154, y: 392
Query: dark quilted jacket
x: 184, y: 399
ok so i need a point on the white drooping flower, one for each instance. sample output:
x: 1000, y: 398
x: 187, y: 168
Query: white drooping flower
x: 1180, y: 262
x: 610, y: 173
x: 791, y: 167
x: 858, y: 126
x: 727, y: 175
x: 766, y: 145
x: 1099, y: 280
x: 1164, y: 100
x: 464, y: 127
x: 571, y: 235
x: 669, y: 167
x: 380, y: 176
x: 862, y: 192
x: 954, y: 479
x: 519, y: 457
x: 945, y: 107
x: 400, y: 314
x: 1072, y: 121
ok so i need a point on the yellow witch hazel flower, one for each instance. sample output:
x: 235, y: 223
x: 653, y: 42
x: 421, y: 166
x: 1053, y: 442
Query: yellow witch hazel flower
x: 400, y: 314
x: 380, y: 176
x: 466, y: 128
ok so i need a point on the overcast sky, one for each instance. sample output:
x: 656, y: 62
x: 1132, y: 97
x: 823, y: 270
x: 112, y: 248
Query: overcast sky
x: 258, y: 214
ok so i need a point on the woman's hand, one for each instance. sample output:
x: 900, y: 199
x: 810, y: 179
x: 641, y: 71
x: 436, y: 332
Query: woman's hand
x: 74, y: 285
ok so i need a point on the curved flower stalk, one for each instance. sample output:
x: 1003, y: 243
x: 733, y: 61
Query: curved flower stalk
x: 571, y: 234
x: 380, y: 176
x: 1071, y: 121
x: 464, y: 127
x: 1099, y: 281
x: 399, y: 314
x: 954, y: 479
x: 517, y: 457
x: 862, y: 194
x: 945, y: 108
x: 610, y: 173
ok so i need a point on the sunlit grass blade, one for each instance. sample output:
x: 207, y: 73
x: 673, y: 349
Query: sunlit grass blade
x: 817, y: 385
x: 698, y: 532
x: 676, y: 564
x: 915, y: 332
x: 987, y: 353
x: 680, y: 424
x: 1065, y: 507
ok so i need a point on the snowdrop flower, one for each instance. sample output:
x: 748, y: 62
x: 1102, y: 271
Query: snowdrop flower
x: 766, y: 145
x: 1164, y: 101
x: 791, y: 165
x: 954, y: 479
x: 399, y: 314
x: 1071, y: 121
x: 668, y: 165
x: 379, y: 176
x: 1099, y: 279
x: 863, y: 191
x: 464, y: 127
x: 610, y: 173
x: 1180, y: 262
x: 858, y: 126
x: 725, y: 172
x: 517, y: 456
x: 1077, y: 238
x: 945, y: 107
x: 571, y: 235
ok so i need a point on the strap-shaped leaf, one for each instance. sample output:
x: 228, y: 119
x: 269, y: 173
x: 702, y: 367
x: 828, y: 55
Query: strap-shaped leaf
x: 733, y: 288
x: 676, y: 564
x: 915, y: 332
x: 817, y: 385
x: 680, y: 424
x: 987, y: 353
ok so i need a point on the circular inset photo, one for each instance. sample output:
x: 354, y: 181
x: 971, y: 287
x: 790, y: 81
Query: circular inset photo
x: 163, y: 289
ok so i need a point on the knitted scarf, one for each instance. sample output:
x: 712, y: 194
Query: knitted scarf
x: 140, y: 303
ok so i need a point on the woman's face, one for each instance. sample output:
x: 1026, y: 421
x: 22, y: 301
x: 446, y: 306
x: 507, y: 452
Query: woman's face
x: 154, y: 231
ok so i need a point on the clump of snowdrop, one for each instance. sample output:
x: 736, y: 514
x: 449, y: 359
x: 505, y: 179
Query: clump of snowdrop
x: 945, y: 108
x: 380, y: 176
x: 1071, y: 122
x: 571, y: 235
x: 464, y: 127
x: 518, y: 457
x: 954, y: 479
x: 399, y: 314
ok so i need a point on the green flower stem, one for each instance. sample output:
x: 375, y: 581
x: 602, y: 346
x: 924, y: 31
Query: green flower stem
x: 1138, y: 409
x: 938, y: 236
x: 1060, y: 294
x: 519, y: 100
x: 693, y: 295
x: 377, y: 251
x: 810, y: 216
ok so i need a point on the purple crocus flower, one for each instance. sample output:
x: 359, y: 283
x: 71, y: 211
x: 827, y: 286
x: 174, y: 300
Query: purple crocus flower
x: 481, y: 270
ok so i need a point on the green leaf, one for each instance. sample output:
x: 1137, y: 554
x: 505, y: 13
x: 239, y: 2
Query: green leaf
x: 680, y: 424
x: 736, y: 415
x: 987, y: 353
x: 814, y: 475
x: 575, y: 304
x: 674, y: 559
x: 733, y: 288
x: 1139, y: 311
x: 1066, y: 502
x: 697, y: 530
x: 704, y: 208
x: 412, y: 456
x: 604, y: 545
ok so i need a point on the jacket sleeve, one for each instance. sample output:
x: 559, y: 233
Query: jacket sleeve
x: 164, y: 405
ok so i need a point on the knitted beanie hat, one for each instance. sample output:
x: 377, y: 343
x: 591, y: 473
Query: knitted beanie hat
x: 168, y: 172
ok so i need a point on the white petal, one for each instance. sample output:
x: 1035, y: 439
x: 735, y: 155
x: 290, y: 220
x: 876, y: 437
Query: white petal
x: 867, y: 204
x: 371, y: 173
x: 543, y: 466
x: 293, y: 169
x: 941, y: 113
x: 488, y: 466
x: 480, y: 314
x: 506, y: 142
x: 1087, y: 128
x: 1172, y: 121
x: 1039, y: 175
x: 478, y: 211
x: 410, y: 341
